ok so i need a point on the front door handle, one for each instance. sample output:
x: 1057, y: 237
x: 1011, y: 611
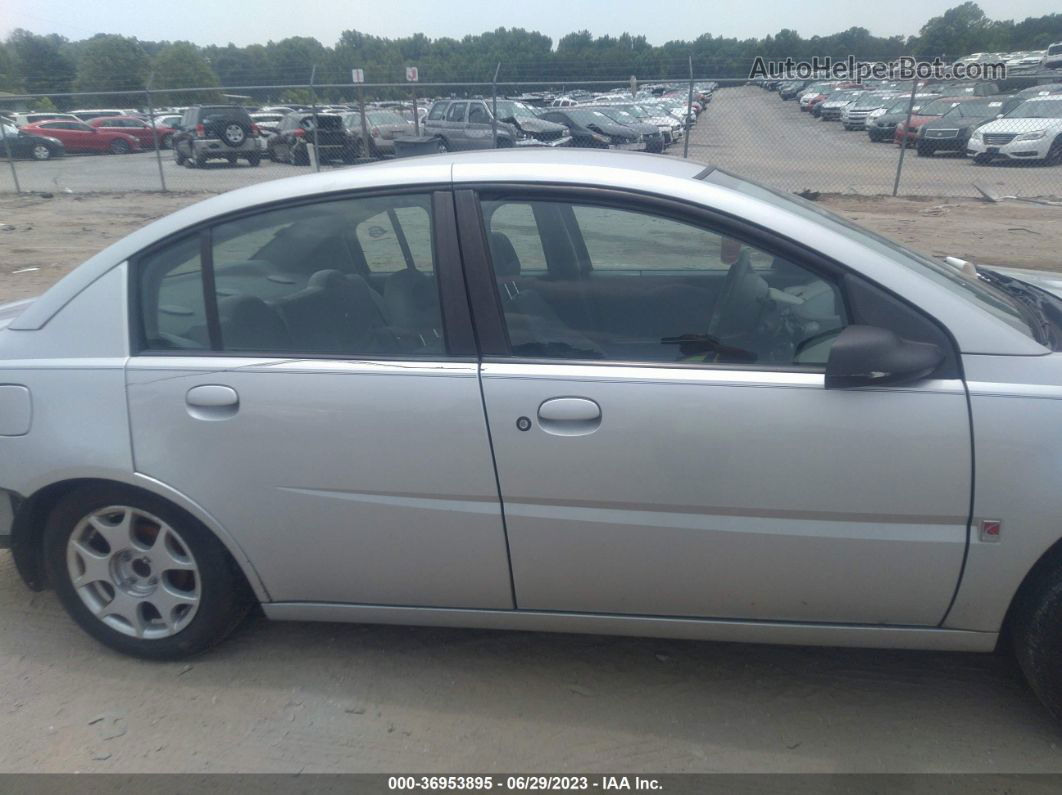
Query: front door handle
x: 212, y: 402
x: 569, y: 416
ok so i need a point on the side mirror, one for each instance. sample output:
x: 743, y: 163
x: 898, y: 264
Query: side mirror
x: 872, y: 356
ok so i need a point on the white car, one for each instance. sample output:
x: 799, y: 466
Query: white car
x: 1031, y: 132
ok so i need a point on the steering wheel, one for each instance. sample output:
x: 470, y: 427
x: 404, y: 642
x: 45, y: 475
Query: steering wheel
x: 743, y: 295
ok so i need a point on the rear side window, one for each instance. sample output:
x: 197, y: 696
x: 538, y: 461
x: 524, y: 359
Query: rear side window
x: 352, y: 277
x: 172, y: 306
x: 457, y: 112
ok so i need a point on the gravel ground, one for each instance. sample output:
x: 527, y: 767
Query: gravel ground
x: 335, y: 698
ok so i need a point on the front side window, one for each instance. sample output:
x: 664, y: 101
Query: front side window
x: 621, y: 284
x: 351, y: 277
x: 477, y: 114
x: 438, y: 111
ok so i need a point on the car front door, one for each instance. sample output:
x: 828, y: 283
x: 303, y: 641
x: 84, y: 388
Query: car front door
x: 665, y: 445
x: 346, y: 453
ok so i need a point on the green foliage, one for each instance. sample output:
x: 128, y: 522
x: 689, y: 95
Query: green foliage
x: 51, y: 64
x: 44, y: 104
x: 182, y: 65
x: 115, y: 63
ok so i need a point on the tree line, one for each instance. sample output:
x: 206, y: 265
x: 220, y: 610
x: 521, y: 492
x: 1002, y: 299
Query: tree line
x: 51, y: 64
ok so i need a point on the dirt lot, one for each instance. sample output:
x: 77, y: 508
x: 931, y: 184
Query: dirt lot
x: 331, y: 698
x: 53, y: 235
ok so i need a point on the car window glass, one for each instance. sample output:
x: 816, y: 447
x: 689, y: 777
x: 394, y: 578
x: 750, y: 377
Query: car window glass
x: 296, y: 281
x: 457, y: 112
x: 172, y: 307
x: 477, y: 114
x: 380, y: 241
x: 628, y: 285
x: 516, y: 221
x: 438, y: 110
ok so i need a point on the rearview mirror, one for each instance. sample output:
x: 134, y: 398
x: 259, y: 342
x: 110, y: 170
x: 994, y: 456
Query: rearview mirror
x: 872, y: 356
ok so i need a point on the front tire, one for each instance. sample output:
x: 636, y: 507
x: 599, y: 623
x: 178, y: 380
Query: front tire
x: 140, y: 575
x: 1036, y: 633
x: 41, y: 152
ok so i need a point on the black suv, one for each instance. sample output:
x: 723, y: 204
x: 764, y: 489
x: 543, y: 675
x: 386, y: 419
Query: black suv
x: 216, y: 132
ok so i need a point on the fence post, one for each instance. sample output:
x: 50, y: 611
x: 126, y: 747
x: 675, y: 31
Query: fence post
x: 154, y: 130
x: 364, y: 124
x: 10, y: 158
x: 313, y: 102
x: 686, y: 121
x: 494, y: 106
x: 416, y: 117
x: 903, y: 143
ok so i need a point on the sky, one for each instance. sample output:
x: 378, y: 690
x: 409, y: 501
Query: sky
x: 258, y: 21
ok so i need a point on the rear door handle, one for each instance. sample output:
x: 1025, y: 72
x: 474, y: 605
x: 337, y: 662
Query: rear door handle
x: 212, y: 402
x: 569, y: 416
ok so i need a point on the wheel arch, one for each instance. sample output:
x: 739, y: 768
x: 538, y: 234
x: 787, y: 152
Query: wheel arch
x: 1051, y: 557
x: 32, y: 512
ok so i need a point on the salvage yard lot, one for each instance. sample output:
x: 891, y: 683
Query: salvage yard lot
x: 331, y: 698
x: 746, y: 130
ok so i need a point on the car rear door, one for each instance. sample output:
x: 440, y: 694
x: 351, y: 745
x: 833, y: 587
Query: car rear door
x: 665, y: 450
x: 345, y: 453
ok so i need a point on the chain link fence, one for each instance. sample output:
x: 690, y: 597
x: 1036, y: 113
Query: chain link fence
x: 734, y: 124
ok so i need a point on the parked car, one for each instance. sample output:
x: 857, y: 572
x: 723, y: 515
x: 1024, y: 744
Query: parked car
x: 267, y: 124
x: 830, y: 109
x: 854, y: 114
x: 950, y: 132
x: 882, y: 126
x: 1031, y: 132
x: 76, y: 136
x: 463, y: 124
x: 382, y: 125
x: 907, y: 130
x: 1053, y: 56
x: 144, y: 133
x: 210, y: 132
x: 791, y: 89
x: 965, y: 88
x: 20, y: 143
x: 295, y: 133
x: 1042, y: 90
x: 654, y: 140
x: 167, y: 125
x: 22, y: 119
x: 593, y: 129
x: 289, y: 449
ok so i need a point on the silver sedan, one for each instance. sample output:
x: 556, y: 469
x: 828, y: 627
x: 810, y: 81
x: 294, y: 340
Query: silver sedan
x: 568, y: 391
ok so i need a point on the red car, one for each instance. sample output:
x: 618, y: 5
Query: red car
x: 928, y: 112
x: 138, y: 128
x: 80, y: 137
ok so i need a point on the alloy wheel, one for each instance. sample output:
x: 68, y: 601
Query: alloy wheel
x: 134, y: 572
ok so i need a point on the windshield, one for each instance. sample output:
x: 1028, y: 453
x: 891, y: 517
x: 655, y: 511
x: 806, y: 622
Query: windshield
x: 871, y: 101
x: 385, y: 117
x: 983, y: 108
x: 517, y: 110
x: 969, y: 287
x: 938, y: 107
x: 1038, y: 109
x: 620, y: 115
x: 588, y: 116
